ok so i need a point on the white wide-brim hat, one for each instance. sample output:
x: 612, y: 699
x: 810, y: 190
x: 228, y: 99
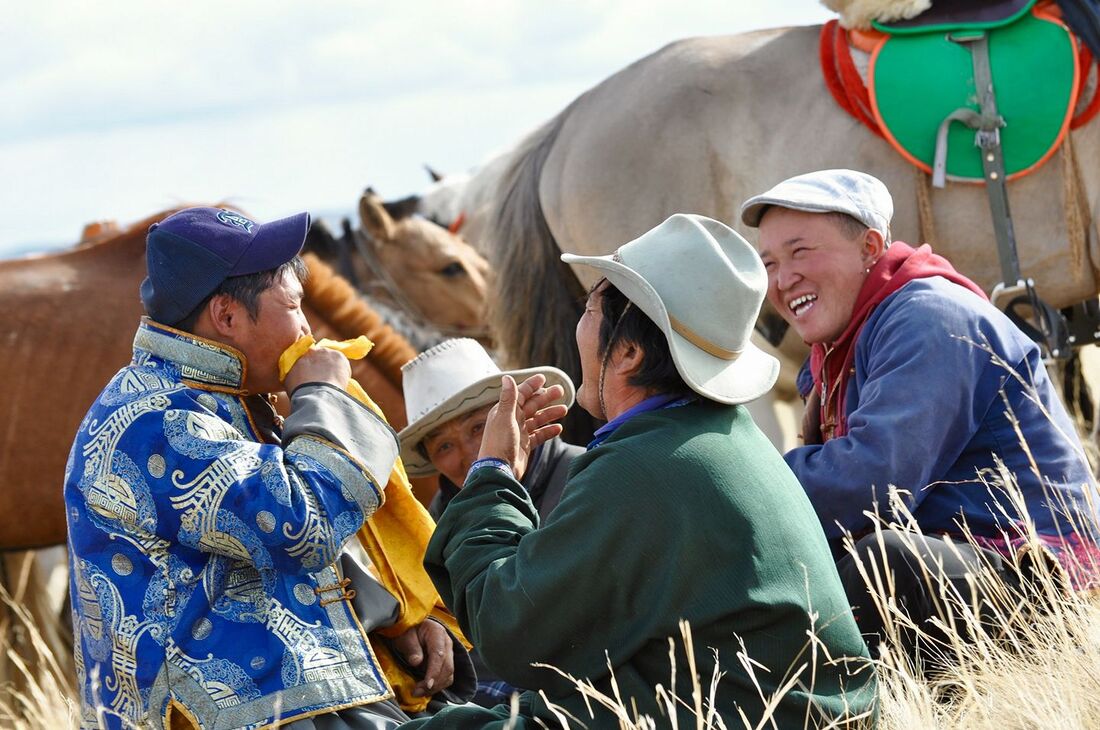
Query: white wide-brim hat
x: 449, y: 380
x: 855, y: 193
x: 702, y: 284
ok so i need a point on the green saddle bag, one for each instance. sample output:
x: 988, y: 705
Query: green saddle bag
x: 918, y: 78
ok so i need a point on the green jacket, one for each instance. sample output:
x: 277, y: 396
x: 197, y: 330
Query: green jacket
x: 683, y: 513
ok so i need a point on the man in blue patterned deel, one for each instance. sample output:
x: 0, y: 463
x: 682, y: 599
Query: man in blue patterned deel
x: 205, y: 536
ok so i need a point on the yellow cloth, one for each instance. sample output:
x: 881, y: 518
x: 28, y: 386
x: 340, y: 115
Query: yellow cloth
x: 395, y: 537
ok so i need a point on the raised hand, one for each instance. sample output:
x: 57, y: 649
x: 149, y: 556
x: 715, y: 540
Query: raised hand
x: 521, y: 421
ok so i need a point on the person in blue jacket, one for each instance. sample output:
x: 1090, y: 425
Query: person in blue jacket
x: 209, y: 586
x: 915, y: 383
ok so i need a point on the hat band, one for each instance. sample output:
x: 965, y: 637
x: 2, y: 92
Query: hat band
x: 701, y: 342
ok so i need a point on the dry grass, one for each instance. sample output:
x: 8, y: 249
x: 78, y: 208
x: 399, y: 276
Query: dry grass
x: 37, y: 692
x: 1024, y: 669
x: 1030, y: 672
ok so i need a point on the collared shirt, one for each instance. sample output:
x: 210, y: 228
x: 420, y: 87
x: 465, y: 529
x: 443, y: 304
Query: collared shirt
x: 652, y: 403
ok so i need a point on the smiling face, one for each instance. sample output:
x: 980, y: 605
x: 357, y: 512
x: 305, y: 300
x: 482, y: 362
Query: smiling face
x: 815, y: 269
x: 455, y: 445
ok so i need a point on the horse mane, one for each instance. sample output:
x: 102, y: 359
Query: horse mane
x: 524, y: 257
x: 333, y: 298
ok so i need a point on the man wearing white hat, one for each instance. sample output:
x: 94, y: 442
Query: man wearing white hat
x: 680, y: 510
x: 914, y: 380
x: 449, y: 390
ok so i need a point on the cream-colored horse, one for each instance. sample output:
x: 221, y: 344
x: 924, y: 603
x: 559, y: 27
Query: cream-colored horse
x: 463, y: 202
x: 421, y: 267
x: 705, y: 123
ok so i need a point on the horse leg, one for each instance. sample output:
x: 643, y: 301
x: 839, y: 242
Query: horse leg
x: 1075, y: 380
x: 1077, y: 394
x: 1088, y: 364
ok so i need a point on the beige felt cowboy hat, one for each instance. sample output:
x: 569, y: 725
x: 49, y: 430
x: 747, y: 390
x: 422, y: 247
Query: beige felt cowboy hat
x: 450, y: 380
x: 703, y: 284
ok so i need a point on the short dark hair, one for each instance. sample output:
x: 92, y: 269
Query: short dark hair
x: 849, y: 226
x: 623, y: 325
x: 246, y: 289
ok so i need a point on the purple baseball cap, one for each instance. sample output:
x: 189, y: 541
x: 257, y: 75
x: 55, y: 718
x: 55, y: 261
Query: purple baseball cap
x: 190, y: 253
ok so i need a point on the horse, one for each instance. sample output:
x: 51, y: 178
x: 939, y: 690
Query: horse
x: 704, y: 123
x: 461, y: 201
x: 68, y: 327
x: 416, y: 269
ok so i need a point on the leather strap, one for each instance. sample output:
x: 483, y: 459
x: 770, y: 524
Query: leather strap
x: 701, y: 342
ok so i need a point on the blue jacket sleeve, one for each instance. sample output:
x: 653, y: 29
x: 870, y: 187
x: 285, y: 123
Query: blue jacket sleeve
x: 923, y: 383
x: 287, y: 508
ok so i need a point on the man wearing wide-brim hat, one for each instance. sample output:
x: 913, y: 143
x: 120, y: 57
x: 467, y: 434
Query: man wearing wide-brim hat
x: 449, y: 390
x: 680, y: 510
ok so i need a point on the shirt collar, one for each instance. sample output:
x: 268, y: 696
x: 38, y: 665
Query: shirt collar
x: 652, y: 403
x: 200, y: 360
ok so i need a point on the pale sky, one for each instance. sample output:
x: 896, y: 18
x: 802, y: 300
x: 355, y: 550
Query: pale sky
x: 118, y: 109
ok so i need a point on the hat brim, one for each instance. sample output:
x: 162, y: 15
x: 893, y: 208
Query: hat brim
x: 753, y: 209
x: 483, y: 392
x: 744, y: 379
x: 274, y: 244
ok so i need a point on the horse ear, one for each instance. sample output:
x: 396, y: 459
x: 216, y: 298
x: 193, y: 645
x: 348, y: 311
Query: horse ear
x: 374, y: 219
x: 403, y: 208
x: 319, y: 240
x: 435, y: 175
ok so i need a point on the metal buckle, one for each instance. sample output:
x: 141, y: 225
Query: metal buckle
x: 1002, y: 293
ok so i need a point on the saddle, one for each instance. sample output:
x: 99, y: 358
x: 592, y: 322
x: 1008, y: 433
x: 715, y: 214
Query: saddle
x: 980, y: 91
x: 913, y: 82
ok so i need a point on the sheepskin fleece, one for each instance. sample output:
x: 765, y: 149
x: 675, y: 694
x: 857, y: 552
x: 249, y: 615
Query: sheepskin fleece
x: 858, y: 14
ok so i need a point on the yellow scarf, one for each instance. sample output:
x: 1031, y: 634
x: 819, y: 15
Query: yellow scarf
x: 395, y: 537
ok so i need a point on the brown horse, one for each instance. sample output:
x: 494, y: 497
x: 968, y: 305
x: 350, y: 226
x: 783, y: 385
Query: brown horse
x: 68, y: 324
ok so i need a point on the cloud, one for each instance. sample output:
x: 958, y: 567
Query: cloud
x: 120, y: 62
x: 125, y: 108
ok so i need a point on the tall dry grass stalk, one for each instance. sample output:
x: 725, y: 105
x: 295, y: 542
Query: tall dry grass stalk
x: 1007, y: 661
x: 38, y: 693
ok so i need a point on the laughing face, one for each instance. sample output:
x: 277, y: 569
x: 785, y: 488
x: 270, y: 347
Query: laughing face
x: 815, y: 270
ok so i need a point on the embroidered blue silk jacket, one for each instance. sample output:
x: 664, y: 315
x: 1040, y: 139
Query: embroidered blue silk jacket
x: 201, y: 548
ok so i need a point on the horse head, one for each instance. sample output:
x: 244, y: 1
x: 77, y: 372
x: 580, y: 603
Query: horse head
x: 441, y: 275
